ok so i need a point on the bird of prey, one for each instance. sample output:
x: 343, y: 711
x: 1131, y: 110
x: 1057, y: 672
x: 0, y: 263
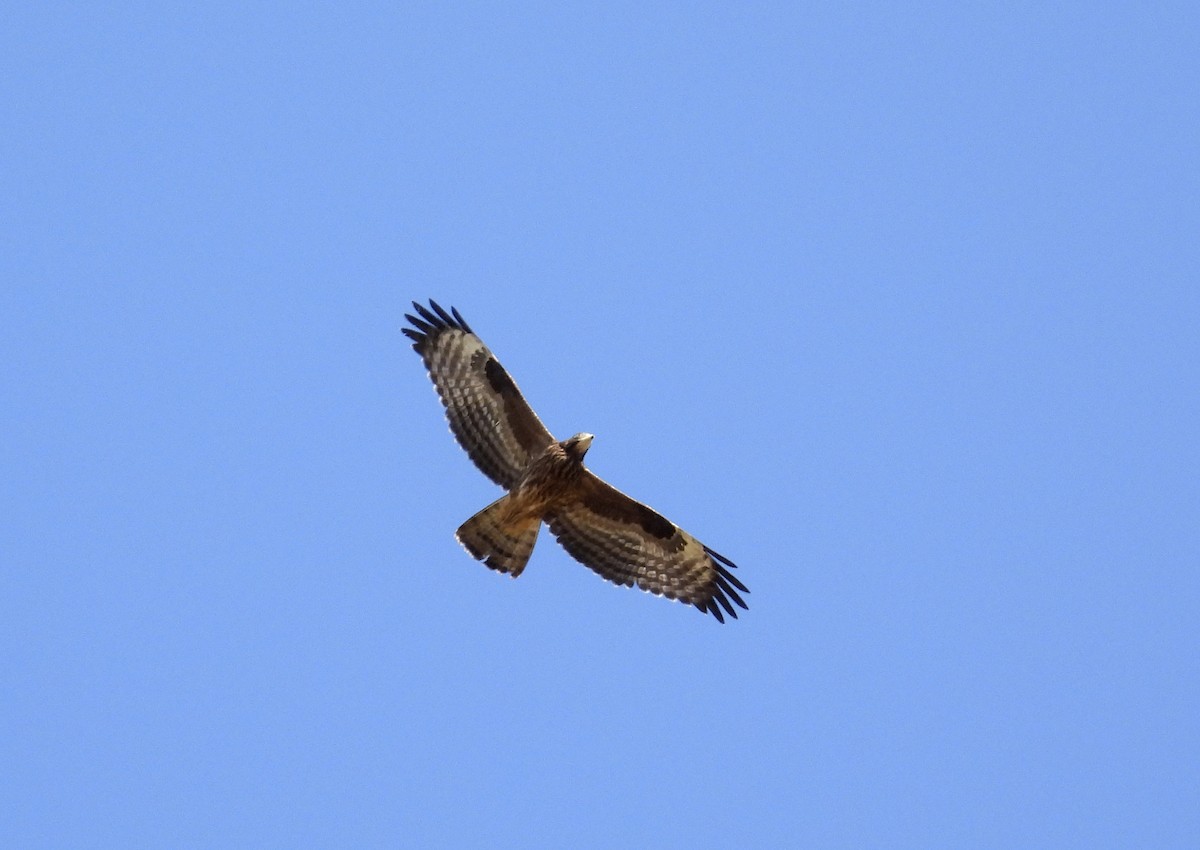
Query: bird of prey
x: 624, y: 541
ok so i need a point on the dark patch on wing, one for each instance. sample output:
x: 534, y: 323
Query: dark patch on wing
x: 497, y: 377
x: 530, y: 433
x: 655, y: 523
x: 616, y: 506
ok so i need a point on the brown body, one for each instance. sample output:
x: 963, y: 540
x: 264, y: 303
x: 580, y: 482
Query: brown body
x: 502, y: 535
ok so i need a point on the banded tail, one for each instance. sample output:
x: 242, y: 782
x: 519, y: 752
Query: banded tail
x: 503, y: 546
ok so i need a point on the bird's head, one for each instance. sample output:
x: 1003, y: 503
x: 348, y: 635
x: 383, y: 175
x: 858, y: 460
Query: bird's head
x: 576, y: 447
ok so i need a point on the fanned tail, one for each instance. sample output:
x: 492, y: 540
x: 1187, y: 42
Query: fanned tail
x: 503, y: 546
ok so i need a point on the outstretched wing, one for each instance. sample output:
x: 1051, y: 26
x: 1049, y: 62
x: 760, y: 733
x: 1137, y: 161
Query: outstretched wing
x: 628, y: 543
x: 488, y: 415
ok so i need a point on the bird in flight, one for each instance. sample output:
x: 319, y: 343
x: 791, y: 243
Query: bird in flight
x: 624, y: 541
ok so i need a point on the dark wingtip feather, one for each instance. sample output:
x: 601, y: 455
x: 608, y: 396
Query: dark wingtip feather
x: 445, y: 317
x: 711, y: 607
x: 432, y: 320
x: 425, y: 314
x: 714, y: 553
x: 717, y: 556
x: 462, y: 323
x: 728, y: 582
x: 720, y: 597
x: 723, y: 583
x: 723, y: 593
x: 420, y: 325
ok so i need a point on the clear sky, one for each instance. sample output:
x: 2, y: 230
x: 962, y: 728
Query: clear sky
x: 896, y: 305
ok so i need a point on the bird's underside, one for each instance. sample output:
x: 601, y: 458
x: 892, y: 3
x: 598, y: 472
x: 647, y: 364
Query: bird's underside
x: 619, y: 538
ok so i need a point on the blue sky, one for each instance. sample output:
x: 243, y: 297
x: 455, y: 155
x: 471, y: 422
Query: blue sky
x: 895, y: 306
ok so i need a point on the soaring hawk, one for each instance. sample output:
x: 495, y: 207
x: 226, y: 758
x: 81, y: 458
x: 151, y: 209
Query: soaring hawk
x: 621, y: 539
